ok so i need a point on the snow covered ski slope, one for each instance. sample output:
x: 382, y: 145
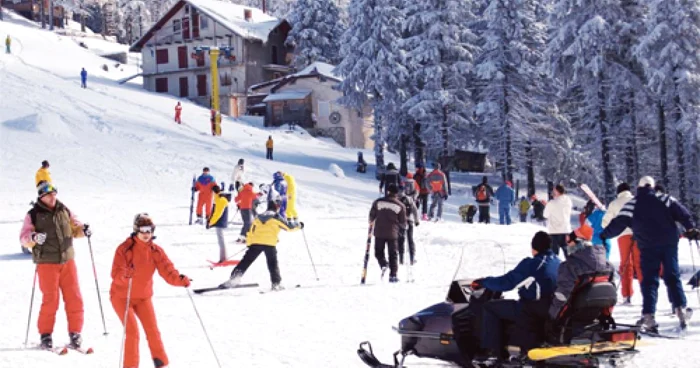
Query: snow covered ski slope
x: 115, y: 151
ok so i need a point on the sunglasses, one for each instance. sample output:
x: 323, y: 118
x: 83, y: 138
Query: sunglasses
x: 146, y: 229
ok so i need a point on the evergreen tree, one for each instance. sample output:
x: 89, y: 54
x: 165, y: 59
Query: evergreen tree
x: 316, y: 32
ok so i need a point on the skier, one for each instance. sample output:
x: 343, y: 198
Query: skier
x: 361, y: 164
x: 8, y: 44
x: 652, y: 218
x: 523, y: 208
x: 263, y: 238
x: 412, y: 218
x: 238, y: 176
x: 629, y: 252
x: 245, y: 201
x: 483, y: 193
x: 391, y: 176
x: 43, y: 174
x: 594, y: 219
x: 438, y: 185
x: 278, y: 189
x: 135, y: 262
x: 558, y: 215
x: 423, y: 190
x: 204, y: 185
x: 269, y: 145
x: 389, y: 217
x: 219, y: 220
x: 48, y: 230
x: 533, y: 305
x: 178, y: 113
x: 506, y: 196
x: 83, y: 78
x: 292, y: 215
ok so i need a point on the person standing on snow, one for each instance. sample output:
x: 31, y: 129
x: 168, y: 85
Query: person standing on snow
x: 538, y: 210
x: 506, y: 196
x: 292, y: 215
x: 278, y: 191
x: 83, y: 78
x: 629, y: 252
x: 263, y: 238
x: 523, y: 208
x: 43, y: 174
x: 411, y: 187
x: 391, y: 176
x: 389, y: 217
x: 483, y: 193
x: 178, y: 113
x: 8, y: 44
x: 423, y: 190
x: 412, y: 212
x: 558, y: 215
x: 238, y: 176
x: 652, y: 218
x: 219, y: 220
x: 48, y: 230
x: 594, y: 219
x: 438, y: 185
x: 131, y: 292
x: 204, y: 185
x: 245, y: 199
x: 269, y: 146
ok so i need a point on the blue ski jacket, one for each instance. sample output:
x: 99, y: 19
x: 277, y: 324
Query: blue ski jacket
x: 595, y: 221
x: 505, y: 196
x: 538, y: 276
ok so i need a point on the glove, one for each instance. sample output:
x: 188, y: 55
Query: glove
x: 301, y: 225
x: 86, y: 230
x: 602, y: 237
x: 477, y: 284
x: 39, y: 238
x: 444, y: 197
x: 185, y: 281
x: 194, y: 189
x: 692, y: 234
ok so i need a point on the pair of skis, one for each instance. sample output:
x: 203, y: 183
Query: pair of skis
x: 366, y: 259
x: 63, y: 350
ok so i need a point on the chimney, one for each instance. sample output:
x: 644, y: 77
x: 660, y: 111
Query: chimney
x: 247, y: 14
x: 264, y: 6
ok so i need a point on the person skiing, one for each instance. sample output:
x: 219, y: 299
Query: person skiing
x: 421, y: 179
x: 238, y: 176
x: 506, y: 196
x: 292, y: 215
x: 412, y: 218
x: 263, y: 238
x: 135, y: 261
x: 652, y: 218
x: 533, y: 305
x: 245, y: 199
x: 629, y: 252
x: 438, y: 186
x: 558, y: 215
x: 178, y: 113
x: 389, y: 217
x: 483, y: 193
x: 48, y: 231
x: 278, y: 191
x: 269, y: 146
x: 361, y: 163
x: 204, y: 185
x: 8, y: 44
x: 83, y: 78
x: 219, y: 220
x: 43, y: 174
x: 391, y: 176
x: 523, y: 208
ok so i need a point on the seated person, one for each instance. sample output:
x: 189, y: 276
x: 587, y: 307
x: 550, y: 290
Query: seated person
x: 361, y: 164
x: 537, y: 278
x: 537, y: 209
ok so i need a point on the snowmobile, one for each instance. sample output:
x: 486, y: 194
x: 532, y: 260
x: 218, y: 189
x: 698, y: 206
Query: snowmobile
x: 583, y: 335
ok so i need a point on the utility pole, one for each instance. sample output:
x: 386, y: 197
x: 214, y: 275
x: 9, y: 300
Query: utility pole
x: 50, y: 15
x: 214, y: 53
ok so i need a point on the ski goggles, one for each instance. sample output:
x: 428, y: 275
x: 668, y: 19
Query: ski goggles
x: 46, y: 188
x: 146, y: 229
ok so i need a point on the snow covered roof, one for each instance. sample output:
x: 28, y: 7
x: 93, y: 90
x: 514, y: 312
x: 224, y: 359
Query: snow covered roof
x: 315, y: 69
x: 288, y: 95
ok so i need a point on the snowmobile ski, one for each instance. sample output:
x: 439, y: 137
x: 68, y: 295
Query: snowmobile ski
x: 226, y: 263
x: 544, y: 354
x: 240, y: 286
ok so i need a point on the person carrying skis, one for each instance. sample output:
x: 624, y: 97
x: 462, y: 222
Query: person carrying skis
x: 238, y: 176
x: 269, y: 146
x: 412, y: 218
x: 483, y: 193
x: 421, y: 179
x: 48, y: 230
x: 8, y: 44
x: 83, y: 78
x: 652, y: 218
x: 523, y: 208
x: 263, y: 238
x: 629, y: 252
x: 245, y: 199
x: 391, y: 176
x: 219, y: 220
x: 178, y: 113
x: 506, y: 196
x: 43, y: 174
x: 292, y: 215
x: 135, y: 261
x: 438, y: 186
x: 204, y: 185
x: 389, y: 217
x: 558, y: 215
x: 594, y: 220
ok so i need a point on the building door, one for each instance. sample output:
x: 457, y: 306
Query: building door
x: 184, y: 87
x: 202, y: 85
x: 182, y: 57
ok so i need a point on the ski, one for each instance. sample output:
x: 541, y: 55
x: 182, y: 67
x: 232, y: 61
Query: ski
x: 660, y: 335
x: 586, y: 189
x: 366, y: 259
x: 272, y: 291
x: 226, y: 263
x: 240, y: 286
x: 55, y: 350
x: 80, y: 350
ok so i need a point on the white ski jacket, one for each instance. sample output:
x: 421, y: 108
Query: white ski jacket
x: 238, y: 174
x: 614, y: 209
x: 558, y: 215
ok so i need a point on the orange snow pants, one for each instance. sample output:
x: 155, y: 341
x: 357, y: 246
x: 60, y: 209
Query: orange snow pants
x: 143, y: 309
x: 52, y: 279
x: 629, y: 264
x: 204, y: 199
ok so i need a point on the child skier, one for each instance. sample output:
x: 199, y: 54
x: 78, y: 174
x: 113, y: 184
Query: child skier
x: 245, y: 201
x: 238, y: 176
x: 219, y: 220
x: 135, y: 261
x: 204, y: 185
x: 523, y: 208
x: 412, y: 218
x: 263, y: 238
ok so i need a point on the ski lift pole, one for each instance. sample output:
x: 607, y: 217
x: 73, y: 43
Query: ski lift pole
x: 215, y: 105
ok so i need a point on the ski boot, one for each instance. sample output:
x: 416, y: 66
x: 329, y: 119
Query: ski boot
x: 393, y: 279
x: 413, y: 262
x: 684, y: 315
x: 232, y: 282
x: 626, y: 301
x: 46, y: 341
x: 75, y: 340
x: 277, y: 287
x: 425, y: 217
x: 648, y: 324
x: 159, y: 363
x: 199, y: 221
x: 384, y: 269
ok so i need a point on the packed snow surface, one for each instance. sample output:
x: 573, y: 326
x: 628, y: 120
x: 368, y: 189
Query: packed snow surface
x: 115, y: 151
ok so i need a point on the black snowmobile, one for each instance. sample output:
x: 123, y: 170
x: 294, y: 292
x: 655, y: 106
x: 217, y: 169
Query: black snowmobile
x: 584, y: 334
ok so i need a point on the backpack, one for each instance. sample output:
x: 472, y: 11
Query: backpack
x: 482, y: 194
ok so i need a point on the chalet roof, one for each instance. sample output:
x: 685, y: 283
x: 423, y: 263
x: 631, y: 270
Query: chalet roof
x: 228, y: 15
x: 312, y: 71
x: 288, y: 95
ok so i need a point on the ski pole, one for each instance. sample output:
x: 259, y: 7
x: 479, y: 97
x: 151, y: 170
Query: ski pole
x: 203, y: 328
x: 31, y: 305
x: 97, y: 285
x: 126, y: 316
x: 309, y: 251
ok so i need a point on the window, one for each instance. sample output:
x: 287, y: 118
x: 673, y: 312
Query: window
x: 203, y: 22
x: 162, y: 85
x: 177, y: 26
x: 187, y: 9
x: 162, y: 56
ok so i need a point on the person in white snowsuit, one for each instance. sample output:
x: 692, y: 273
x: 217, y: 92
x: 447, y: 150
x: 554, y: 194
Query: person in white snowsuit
x: 558, y: 215
x: 238, y: 176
